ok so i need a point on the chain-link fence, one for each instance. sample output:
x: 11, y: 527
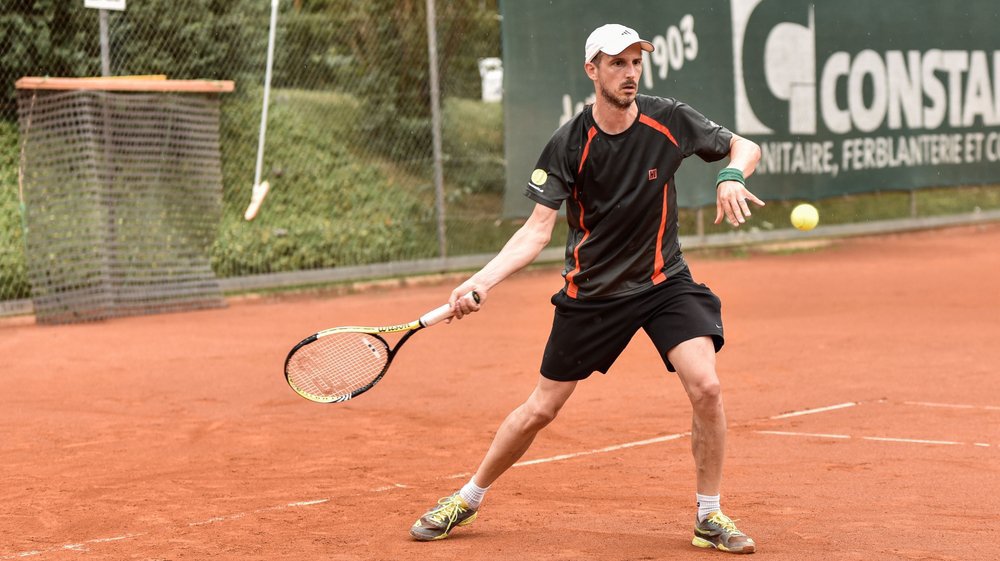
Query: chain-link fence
x: 350, y: 138
x: 366, y: 178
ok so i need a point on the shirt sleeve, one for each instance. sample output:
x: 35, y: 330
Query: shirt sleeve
x: 699, y: 135
x: 552, y: 180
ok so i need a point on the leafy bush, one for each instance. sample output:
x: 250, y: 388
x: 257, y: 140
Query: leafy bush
x: 13, y: 275
x: 331, y: 203
x: 473, y: 146
x: 349, y: 135
x: 46, y: 38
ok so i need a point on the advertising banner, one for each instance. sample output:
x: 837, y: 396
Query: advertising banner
x: 843, y: 97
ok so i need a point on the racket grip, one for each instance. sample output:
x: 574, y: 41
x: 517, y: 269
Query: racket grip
x: 444, y: 312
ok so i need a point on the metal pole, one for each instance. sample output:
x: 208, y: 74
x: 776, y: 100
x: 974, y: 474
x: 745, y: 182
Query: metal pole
x: 110, y: 281
x: 267, y: 93
x: 436, y: 127
x: 105, y: 48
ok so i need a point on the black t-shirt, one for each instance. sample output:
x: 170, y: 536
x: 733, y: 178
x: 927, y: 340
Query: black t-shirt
x: 621, y: 199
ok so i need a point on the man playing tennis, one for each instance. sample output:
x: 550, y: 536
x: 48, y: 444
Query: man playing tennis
x: 613, y: 165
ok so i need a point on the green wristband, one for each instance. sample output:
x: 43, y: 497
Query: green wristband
x: 730, y: 174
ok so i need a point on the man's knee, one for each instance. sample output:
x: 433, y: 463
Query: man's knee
x: 544, y: 404
x: 706, y: 391
x: 537, y: 415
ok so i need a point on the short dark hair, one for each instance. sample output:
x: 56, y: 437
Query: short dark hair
x: 597, y: 58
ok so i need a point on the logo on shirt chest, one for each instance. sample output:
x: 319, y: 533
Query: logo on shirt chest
x: 652, y: 174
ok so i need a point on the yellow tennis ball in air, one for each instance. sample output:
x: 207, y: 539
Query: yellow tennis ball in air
x: 805, y: 217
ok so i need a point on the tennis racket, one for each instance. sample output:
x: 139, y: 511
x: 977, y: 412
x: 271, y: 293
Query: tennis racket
x: 342, y: 363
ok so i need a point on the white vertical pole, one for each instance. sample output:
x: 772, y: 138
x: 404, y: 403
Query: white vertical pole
x: 436, y: 127
x: 109, y: 264
x: 267, y: 93
x: 260, y: 190
x: 105, y: 46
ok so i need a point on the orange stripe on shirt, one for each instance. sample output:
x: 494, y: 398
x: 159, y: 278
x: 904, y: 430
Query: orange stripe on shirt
x: 586, y: 148
x: 651, y: 122
x: 571, y: 287
x: 658, y: 275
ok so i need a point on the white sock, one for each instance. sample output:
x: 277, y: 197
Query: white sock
x: 473, y: 494
x: 707, y: 504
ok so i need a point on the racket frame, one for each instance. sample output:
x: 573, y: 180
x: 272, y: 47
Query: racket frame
x: 410, y: 329
x: 430, y: 318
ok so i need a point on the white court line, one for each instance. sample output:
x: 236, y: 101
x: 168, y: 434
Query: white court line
x: 239, y: 515
x: 817, y: 410
x: 952, y: 405
x: 80, y: 546
x: 236, y: 516
x: 390, y: 487
x: 912, y: 440
x: 809, y: 434
x: 309, y: 503
x: 561, y: 457
x: 875, y: 438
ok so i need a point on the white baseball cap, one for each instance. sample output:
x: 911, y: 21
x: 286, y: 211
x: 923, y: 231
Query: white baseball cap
x: 612, y: 39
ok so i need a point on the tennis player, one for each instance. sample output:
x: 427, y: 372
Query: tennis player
x: 613, y: 166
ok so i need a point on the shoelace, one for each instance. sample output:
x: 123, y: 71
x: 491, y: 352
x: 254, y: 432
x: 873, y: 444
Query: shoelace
x: 449, y: 510
x: 727, y: 524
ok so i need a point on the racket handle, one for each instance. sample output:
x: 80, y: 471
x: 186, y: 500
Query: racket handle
x: 444, y: 312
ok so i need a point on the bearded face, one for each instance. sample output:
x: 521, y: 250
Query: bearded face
x: 617, y: 76
x: 621, y: 96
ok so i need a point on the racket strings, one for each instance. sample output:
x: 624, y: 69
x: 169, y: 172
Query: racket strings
x: 337, y: 365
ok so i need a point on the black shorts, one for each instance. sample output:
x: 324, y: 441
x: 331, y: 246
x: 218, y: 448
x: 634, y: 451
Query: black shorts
x: 588, y: 336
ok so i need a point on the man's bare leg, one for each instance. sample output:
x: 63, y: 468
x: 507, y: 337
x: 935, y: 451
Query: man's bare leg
x: 519, y: 429
x: 512, y: 440
x: 695, y: 364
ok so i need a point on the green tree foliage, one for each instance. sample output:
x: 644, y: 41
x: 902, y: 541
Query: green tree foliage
x: 215, y: 39
x: 46, y: 38
x: 377, y: 50
x: 349, y: 122
x: 191, y: 39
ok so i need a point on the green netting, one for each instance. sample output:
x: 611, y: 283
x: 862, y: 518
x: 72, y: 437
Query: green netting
x: 121, y: 200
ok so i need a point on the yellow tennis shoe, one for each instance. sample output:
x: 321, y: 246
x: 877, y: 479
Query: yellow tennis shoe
x: 437, y: 523
x: 719, y: 532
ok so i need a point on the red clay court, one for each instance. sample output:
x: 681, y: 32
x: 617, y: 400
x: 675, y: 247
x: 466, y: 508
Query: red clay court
x: 860, y: 379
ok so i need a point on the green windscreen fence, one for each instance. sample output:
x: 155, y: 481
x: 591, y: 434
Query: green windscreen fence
x: 843, y: 97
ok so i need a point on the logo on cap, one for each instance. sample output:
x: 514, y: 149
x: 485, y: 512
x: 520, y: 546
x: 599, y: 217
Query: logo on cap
x: 604, y: 39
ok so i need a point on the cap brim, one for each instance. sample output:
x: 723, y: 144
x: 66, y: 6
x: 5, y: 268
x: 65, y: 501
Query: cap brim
x: 645, y: 45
